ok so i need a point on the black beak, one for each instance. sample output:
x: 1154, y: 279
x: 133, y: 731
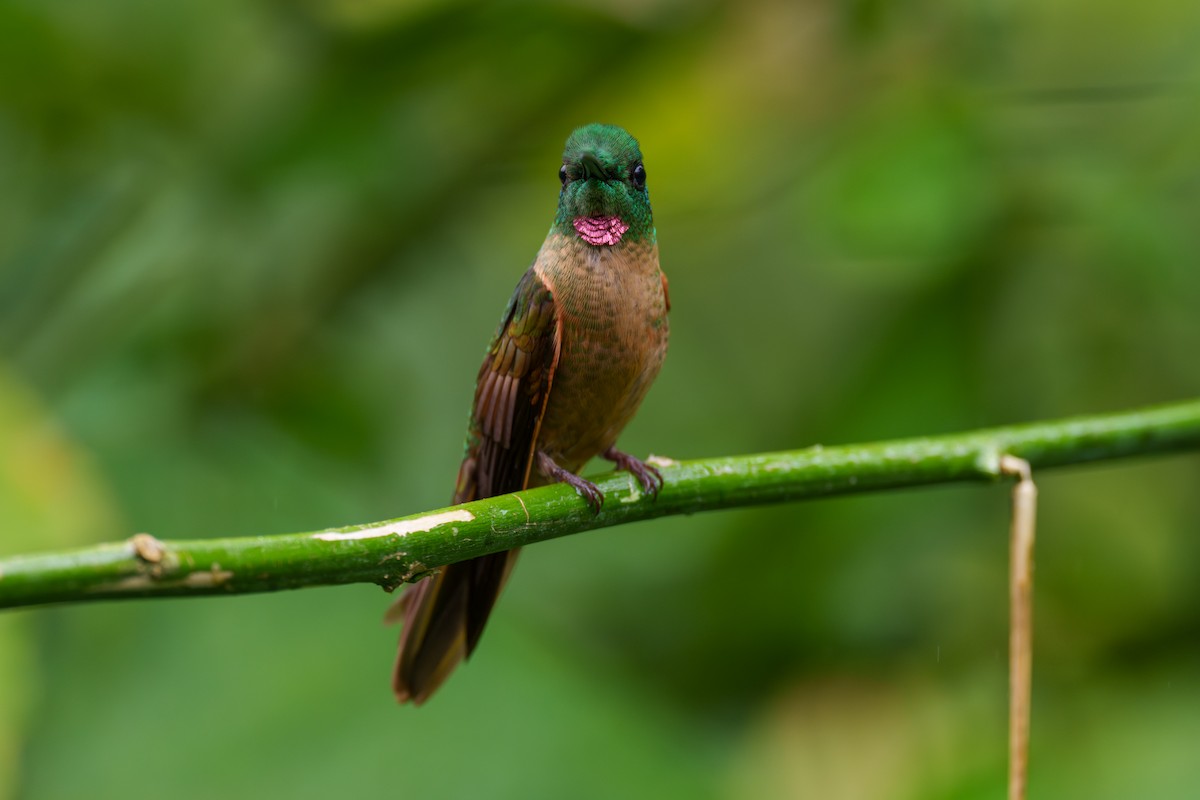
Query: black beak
x: 589, y: 164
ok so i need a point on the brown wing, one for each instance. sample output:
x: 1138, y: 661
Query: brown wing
x: 444, y: 615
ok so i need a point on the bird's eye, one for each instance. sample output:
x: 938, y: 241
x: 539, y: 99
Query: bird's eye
x: 639, y: 176
x: 562, y: 174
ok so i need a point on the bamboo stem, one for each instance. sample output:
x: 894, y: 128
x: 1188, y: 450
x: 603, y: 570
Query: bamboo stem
x: 392, y: 552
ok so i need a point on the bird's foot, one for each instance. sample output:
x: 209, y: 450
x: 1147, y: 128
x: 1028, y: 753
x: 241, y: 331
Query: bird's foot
x: 647, y: 474
x: 586, y: 489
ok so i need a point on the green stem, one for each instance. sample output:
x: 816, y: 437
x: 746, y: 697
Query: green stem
x: 390, y: 553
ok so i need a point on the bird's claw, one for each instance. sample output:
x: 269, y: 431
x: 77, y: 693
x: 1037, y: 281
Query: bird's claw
x: 586, y: 489
x: 647, y: 474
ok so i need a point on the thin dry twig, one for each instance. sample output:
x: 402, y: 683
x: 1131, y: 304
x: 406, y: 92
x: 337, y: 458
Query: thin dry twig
x: 1020, y: 657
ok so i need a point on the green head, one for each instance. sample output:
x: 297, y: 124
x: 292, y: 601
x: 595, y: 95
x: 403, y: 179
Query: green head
x: 604, y: 197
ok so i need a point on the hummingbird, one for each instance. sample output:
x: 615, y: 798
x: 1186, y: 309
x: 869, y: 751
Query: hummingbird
x: 581, y: 340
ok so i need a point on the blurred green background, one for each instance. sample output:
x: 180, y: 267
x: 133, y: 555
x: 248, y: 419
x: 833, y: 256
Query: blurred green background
x: 251, y: 253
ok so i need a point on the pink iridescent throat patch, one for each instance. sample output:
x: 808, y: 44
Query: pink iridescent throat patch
x: 600, y: 230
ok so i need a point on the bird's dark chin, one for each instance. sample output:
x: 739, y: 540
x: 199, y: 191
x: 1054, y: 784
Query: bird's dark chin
x: 600, y: 230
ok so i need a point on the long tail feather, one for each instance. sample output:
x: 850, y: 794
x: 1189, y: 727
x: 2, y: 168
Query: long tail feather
x: 444, y: 617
